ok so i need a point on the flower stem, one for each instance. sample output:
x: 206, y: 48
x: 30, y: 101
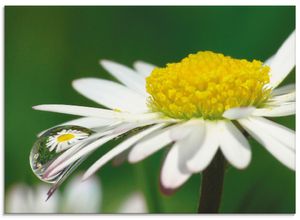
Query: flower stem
x: 212, y: 185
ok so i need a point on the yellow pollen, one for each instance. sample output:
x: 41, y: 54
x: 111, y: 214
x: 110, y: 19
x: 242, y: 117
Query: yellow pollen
x: 65, y: 137
x: 117, y: 110
x: 205, y: 84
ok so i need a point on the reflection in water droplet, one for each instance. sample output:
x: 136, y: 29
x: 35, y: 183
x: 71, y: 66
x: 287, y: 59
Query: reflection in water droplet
x: 52, y: 144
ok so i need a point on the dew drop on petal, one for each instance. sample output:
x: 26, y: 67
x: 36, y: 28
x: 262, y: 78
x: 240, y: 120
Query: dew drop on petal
x: 42, y: 155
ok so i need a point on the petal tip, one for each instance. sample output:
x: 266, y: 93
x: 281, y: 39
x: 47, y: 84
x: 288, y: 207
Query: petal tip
x: 75, y: 83
x: 133, y: 158
x: 165, y: 190
x: 105, y: 62
x: 193, y: 166
x: 38, y: 107
x: 85, y: 177
x: 78, y: 82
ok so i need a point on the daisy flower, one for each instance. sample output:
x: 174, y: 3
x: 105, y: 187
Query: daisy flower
x: 202, y: 105
x: 64, y: 139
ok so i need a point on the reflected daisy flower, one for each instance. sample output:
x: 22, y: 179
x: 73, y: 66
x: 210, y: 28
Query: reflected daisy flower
x: 64, y: 139
x: 202, y: 105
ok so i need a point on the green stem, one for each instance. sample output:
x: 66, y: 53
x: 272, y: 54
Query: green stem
x: 212, y: 185
x: 148, y: 186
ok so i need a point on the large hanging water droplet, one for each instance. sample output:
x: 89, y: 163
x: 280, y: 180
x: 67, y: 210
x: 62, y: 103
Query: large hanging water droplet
x: 52, y: 144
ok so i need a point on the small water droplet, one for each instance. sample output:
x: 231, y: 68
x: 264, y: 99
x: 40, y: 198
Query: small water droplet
x: 49, y: 146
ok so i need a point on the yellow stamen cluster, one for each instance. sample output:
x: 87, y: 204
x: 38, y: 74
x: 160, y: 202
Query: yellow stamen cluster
x: 65, y: 137
x: 206, y: 84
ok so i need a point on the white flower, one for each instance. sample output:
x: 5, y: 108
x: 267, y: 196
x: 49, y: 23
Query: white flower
x: 82, y: 197
x: 169, y: 112
x: 79, y: 197
x: 134, y: 203
x: 64, y: 139
x: 24, y: 199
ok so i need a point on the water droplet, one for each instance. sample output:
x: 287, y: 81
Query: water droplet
x: 52, y: 144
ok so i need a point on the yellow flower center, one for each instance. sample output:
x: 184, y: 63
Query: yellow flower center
x: 205, y: 84
x: 65, y: 137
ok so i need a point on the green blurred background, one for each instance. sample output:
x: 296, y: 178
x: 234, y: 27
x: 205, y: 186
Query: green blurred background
x: 48, y: 47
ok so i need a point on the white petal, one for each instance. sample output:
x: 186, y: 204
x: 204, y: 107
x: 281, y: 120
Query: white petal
x: 87, y: 122
x: 283, y: 61
x: 111, y: 94
x: 184, y: 129
x: 82, y: 197
x: 281, y: 99
x: 63, y: 147
x: 149, y: 146
x: 59, y: 147
x: 96, y: 112
x: 234, y: 145
x: 126, y: 75
x: 174, y: 171
x: 143, y: 68
x: 119, y: 149
x: 269, y: 61
x: 270, y: 141
x: 207, y: 149
x: 236, y: 113
x: 284, y: 89
x: 171, y: 176
x: 285, y: 109
x: 278, y: 131
x: 78, y: 110
x: 54, y: 146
